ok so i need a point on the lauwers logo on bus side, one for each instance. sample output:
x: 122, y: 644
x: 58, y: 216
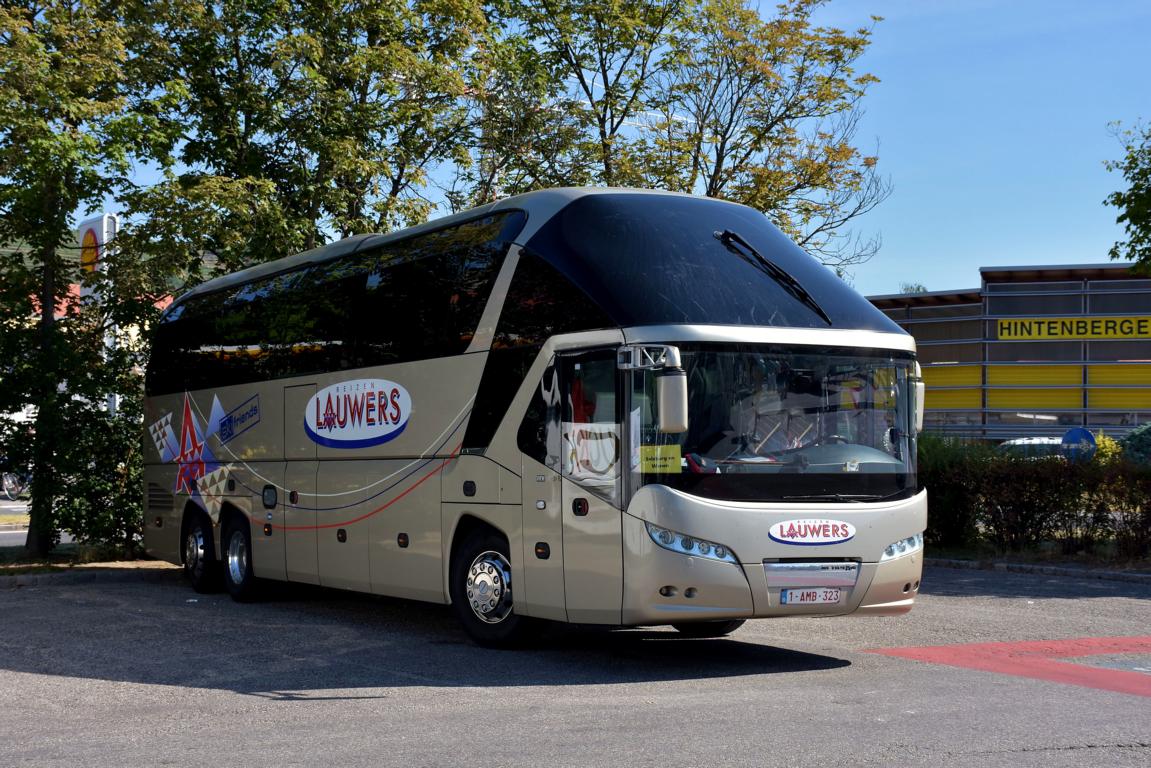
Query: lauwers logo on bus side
x: 812, y: 532
x: 358, y: 413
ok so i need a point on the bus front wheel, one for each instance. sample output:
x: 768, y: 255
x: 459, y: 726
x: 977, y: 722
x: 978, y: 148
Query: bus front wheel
x: 481, y: 588
x: 239, y: 577
x: 703, y: 629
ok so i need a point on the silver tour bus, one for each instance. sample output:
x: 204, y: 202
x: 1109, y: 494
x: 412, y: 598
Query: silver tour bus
x: 600, y: 406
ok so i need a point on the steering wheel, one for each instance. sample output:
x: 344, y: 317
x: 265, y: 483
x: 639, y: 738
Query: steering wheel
x: 833, y: 439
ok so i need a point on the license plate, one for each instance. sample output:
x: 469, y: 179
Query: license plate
x: 818, y: 596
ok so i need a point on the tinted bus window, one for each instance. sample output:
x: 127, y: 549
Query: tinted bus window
x: 413, y: 299
x: 654, y: 261
x: 540, y: 303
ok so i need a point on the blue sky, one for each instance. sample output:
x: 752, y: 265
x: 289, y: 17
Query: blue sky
x: 992, y: 123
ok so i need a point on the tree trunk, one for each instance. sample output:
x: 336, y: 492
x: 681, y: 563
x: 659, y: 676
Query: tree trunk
x: 42, y: 528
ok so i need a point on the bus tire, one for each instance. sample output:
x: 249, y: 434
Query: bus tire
x: 481, y: 590
x: 705, y: 629
x: 201, y: 567
x: 239, y: 577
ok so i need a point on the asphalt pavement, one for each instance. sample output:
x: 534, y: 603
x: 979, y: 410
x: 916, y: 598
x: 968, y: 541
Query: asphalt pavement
x: 155, y: 674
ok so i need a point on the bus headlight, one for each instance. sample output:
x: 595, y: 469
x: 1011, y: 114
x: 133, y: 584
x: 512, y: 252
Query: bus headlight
x: 689, y: 545
x: 903, y: 547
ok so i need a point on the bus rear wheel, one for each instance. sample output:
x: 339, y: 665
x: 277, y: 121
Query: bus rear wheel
x: 481, y: 589
x: 704, y: 629
x: 200, y: 564
x: 239, y: 577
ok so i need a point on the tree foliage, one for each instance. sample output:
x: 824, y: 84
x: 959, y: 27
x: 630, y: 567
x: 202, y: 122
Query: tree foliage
x: 1137, y: 445
x: 72, y: 123
x: 1134, y: 203
x: 698, y: 96
x: 299, y: 120
x: 765, y: 112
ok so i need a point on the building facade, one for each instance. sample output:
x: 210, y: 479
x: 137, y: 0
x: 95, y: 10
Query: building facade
x: 1034, y: 351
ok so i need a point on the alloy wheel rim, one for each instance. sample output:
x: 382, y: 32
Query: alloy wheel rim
x: 237, y: 557
x: 194, y: 550
x: 489, y: 587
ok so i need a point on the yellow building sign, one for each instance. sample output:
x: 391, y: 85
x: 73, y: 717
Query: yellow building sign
x: 1029, y: 328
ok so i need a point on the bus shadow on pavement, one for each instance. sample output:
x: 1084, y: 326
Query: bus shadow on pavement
x: 313, y: 644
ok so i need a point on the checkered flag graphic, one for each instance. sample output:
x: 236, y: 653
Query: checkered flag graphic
x: 164, y: 437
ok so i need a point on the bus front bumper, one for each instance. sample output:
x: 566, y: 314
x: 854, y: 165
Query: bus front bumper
x: 665, y: 587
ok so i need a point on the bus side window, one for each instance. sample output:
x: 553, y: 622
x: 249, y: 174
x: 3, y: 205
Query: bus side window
x: 539, y: 432
x: 591, y: 448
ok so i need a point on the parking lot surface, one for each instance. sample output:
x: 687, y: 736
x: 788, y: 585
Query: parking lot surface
x: 154, y: 674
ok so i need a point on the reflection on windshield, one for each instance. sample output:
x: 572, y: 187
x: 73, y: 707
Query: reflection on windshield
x: 776, y: 423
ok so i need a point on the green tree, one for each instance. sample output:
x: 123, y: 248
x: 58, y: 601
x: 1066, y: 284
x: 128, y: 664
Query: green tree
x: 607, y: 52
x: 912, y: 288
x: 1134, y: 203
x: 699, y: 96
x: 1137, y: 445
x: 525, y: 129
x: 300, y: 120
x: 72, y: 121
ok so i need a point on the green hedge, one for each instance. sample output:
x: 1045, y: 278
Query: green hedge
x: 978, y: 497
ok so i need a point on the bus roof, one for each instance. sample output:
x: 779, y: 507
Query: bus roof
x: 646, y: 258
x: 540, y: 206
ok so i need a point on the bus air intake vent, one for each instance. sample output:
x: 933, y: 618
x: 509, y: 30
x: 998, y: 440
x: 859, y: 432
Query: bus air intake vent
x: 159, y: 500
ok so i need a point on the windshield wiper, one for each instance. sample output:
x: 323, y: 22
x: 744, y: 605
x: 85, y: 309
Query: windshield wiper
x: 771, y: 269
x: 856, y: 497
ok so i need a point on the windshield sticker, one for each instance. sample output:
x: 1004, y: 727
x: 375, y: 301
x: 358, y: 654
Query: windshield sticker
x: 809, y: 533
x: 660, y: 459
x: 358, y: 413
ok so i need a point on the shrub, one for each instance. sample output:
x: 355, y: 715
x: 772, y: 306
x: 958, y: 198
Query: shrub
x: 1127, y: 488
x: 1137, y: 445
x: 1107, y: 450
x: 979, y: 495
x: 949, y: 469
x: 1022, y: 501
x: 1085, y: 519
x: 101, y: 477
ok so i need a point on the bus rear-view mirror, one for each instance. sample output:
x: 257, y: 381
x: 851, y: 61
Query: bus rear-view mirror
x: 671, y: 395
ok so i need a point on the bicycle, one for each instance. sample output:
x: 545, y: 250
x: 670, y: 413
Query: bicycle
x: 13, y: 485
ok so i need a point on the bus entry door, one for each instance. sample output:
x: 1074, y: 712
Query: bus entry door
x: 591, y: 455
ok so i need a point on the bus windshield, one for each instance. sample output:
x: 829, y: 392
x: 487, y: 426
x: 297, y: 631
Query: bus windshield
x: 780, y: 424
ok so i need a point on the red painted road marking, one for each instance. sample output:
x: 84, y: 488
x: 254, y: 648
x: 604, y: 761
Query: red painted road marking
x: 1037, y: 659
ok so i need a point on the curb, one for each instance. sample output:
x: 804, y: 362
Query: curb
x: 1130, y: 577
x: 14, y: 527
x: 91, y: 576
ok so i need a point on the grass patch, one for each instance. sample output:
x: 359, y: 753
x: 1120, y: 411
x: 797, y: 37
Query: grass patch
x: 13, y: 519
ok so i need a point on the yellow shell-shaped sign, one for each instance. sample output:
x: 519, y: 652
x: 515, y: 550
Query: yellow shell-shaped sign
x: 89, y: 251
